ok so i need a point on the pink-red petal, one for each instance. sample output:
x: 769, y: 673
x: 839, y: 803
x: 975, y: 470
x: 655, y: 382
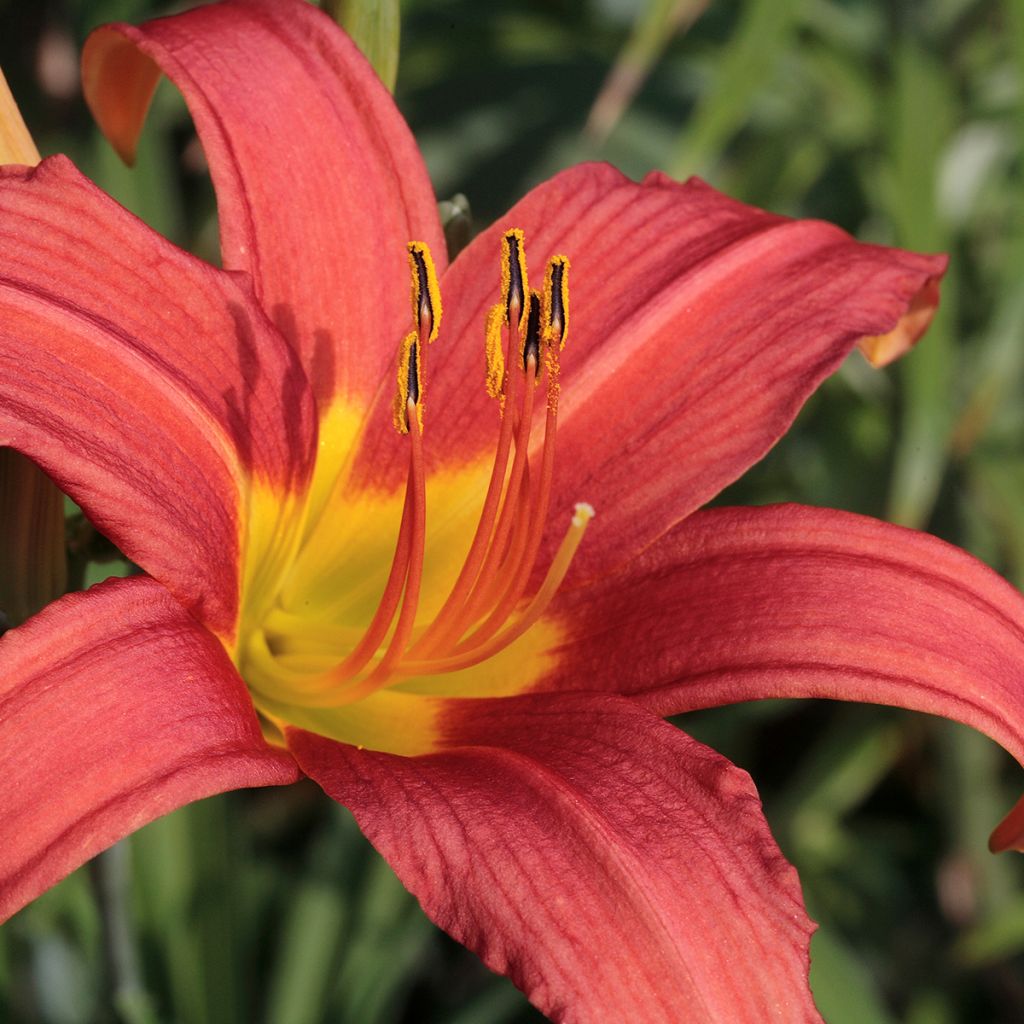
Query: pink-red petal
x: 149, y: 385
x: 319, y: 182
x: 614, y: 868
x: 699, y: 326
x: 740, y: 604
x: 115, y: 707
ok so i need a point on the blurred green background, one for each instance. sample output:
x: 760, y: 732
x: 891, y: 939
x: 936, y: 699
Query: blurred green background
x: 904, y: 123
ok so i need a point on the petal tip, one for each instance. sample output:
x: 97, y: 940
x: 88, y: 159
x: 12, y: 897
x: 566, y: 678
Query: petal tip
x: 882, y: 349
x: 1009, y: 833
x: 118, y: 81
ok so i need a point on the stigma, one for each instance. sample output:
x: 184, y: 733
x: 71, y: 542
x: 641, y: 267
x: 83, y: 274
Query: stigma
x: 501, y: 591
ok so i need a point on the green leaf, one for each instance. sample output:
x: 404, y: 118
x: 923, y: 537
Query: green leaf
x: 374, y: 25
x: 922, y: 111
x: 997, y: 480
x: 652, y: 30
x: 312, y: 931
x: 743, y: 69
x: 842, y: 985
x: 188, y: 891
x: 388, y: 941
x: 998, y: 938
x: 971, y: 770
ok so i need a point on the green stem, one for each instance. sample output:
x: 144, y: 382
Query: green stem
x: 111, y: 878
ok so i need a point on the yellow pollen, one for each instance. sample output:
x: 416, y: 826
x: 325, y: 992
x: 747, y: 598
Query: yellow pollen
x: 495, y: 378
x: 553, y: 369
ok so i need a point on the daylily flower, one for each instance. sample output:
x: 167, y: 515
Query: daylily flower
x: 477, y: 671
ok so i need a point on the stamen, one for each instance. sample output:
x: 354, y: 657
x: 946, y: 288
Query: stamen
x: 582, y: 514
x: 411, y: 599
x: 518, y: 567
x: 508, y: 515
x: 479, y: 617
x: 488, y: 547
x: 407, y: 565
x: 327, y: 692
x: 502, y: 568
x: 486, y: 552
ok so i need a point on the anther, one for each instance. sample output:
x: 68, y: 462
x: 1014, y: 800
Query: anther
x: 425, y: 293
x: 531, y: 342
x: 426, y: 313
x: 410, y: 383
x: 555, y: 323
x: 514, y: 286
x: 555, y: 310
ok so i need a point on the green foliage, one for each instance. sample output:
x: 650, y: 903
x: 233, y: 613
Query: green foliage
x: 374, y: 25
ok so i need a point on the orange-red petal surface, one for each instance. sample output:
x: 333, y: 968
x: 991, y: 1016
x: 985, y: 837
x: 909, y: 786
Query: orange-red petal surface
x: 742, y: 604
x: 786, y: 600
x: 614, y: 868
x: 115, y: 707
x: 319, y: 182
x: 149, y: 385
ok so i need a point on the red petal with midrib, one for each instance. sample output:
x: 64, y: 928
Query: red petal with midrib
x: 614, y: 868
x: 115, y: 707
x: 742, y: 604
x: 149, y: 385
x: 319, y: 182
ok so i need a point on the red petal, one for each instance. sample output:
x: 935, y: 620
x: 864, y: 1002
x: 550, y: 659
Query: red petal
x: 1009, y: 833
x: 149, y: 385
x: 115, y: 707
x: 614, y: 868
x: 746, y: 603
x: 319, y: 182
x: 698, y: 328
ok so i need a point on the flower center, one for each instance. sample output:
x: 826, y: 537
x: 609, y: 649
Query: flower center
x: 491, y: 603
